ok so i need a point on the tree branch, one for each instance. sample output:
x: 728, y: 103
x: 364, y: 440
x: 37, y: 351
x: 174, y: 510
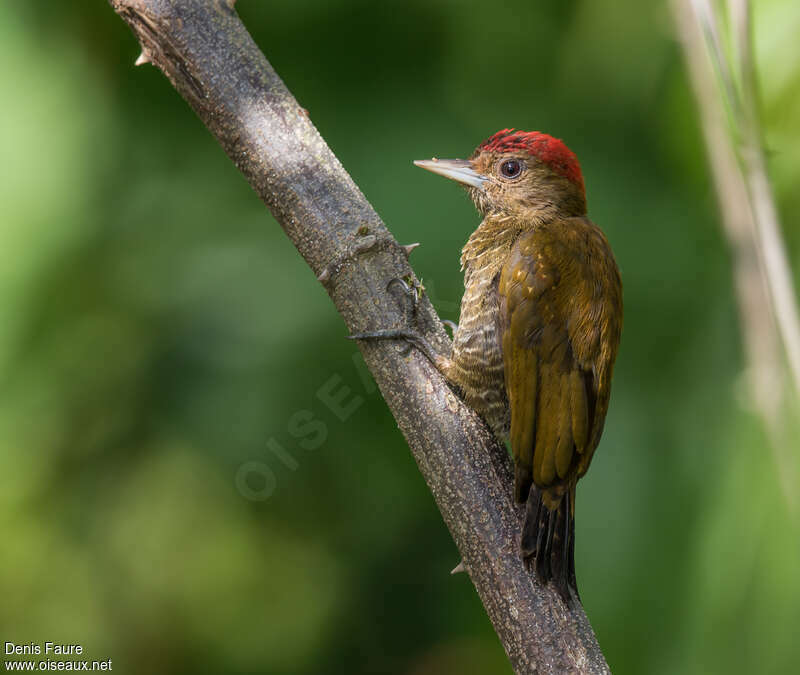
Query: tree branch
x: 209, y: 57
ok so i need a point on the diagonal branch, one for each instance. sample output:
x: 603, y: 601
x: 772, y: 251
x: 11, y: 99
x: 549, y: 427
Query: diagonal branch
x: 209, y: 57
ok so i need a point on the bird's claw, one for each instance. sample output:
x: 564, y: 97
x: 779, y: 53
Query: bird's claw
x: 452, y: 325
x: 411, y: 314
x: 413, y: 291
x: 412, y: 339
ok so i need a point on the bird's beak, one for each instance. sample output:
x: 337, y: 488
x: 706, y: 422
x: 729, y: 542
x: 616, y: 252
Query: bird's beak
x: 459, y: 170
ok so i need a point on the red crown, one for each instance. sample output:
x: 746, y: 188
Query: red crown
x: 546, y: 149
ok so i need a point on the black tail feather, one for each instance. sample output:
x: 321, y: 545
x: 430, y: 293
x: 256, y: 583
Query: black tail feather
x: 548, y: 541
x: 571, y: 555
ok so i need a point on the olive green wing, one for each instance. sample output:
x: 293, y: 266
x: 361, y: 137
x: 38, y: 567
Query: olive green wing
x: 548, y: 391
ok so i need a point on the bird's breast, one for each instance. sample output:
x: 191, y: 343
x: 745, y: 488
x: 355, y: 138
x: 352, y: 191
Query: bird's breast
x: 477, y: 356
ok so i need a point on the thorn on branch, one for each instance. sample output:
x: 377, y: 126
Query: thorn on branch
x: 410, y: 247
x: 365, y: 244
x: 325, y: 276
x: 143, y: 58
x: 458, y: 568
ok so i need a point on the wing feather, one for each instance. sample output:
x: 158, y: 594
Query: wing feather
x: 566, y: 446
x: 549, y: 378
x: 579, y: 408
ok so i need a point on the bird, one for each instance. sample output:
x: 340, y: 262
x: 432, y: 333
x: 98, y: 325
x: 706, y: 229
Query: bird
x: 539, y: 329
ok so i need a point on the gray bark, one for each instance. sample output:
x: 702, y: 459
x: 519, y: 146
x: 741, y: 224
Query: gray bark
x: 210, y: 58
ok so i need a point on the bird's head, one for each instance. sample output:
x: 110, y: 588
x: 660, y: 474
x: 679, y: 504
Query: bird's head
x: 520, y: 174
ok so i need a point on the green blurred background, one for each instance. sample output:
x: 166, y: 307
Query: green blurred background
x: 159, y: 333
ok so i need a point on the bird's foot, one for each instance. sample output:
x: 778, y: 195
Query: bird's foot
x: 412, y: 339
x: 413, y: 291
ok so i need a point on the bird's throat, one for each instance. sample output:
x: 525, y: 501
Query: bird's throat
x: 490, y: 243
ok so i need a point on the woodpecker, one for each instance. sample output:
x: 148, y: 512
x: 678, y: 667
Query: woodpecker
x: 540, y: 324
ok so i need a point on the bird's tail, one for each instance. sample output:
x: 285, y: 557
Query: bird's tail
x: 548, y: 539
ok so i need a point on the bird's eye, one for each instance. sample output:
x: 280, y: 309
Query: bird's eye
x: 511, y: 168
